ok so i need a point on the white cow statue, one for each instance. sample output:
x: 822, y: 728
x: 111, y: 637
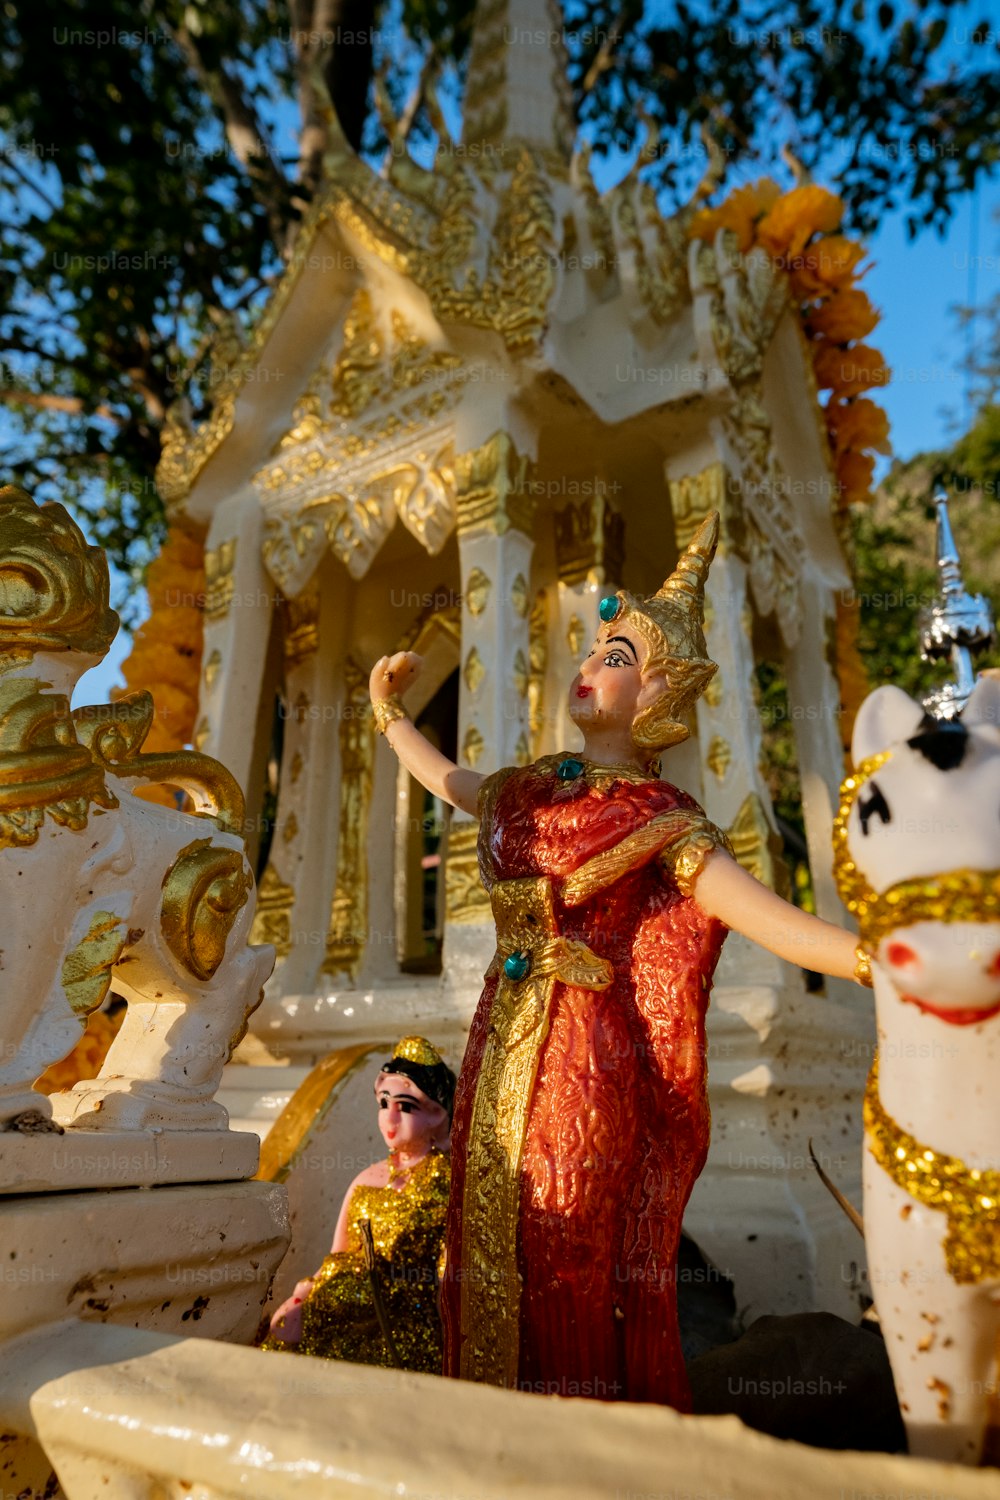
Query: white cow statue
x: 917, y: 848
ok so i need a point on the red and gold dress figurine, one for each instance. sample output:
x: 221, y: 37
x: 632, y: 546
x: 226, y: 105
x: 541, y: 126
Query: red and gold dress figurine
x: 581, y: 1116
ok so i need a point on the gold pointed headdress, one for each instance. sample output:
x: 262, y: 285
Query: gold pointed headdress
x: 671, y: 624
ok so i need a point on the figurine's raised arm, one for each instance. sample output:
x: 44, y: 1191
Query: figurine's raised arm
x: 390, y: 677
x: 725, y: 890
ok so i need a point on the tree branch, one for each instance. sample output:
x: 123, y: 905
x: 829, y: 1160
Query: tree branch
x: 75, y: 405
x: 244, y: 133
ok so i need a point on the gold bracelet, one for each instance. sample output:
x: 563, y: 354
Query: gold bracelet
x: 863, y: 967
x: 386, y: 711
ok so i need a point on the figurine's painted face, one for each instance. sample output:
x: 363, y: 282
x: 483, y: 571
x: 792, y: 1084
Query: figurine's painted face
x: 609, y: 689
x: 408, y: 1120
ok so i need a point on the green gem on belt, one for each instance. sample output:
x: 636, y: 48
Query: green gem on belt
x: 516, y: 965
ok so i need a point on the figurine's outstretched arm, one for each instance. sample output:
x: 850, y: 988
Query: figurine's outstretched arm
x: 725, y: 890
x: 391, y: 676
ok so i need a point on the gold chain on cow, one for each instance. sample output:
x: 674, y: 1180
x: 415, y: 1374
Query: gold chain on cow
x: 970, y: 1198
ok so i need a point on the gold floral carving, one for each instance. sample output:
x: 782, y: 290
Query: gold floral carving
x: 473, y: 745
x: 490, y: 489
x: 438, y: 252
x: 212, y: 666
x: 519, y: 595
x: 590, y: 541
x: 203, y: 893
x: 522, y: 750
x: 431, y: 238
x: 520, y: 673
x: 295, y: 770
x: 661, y: 270
x: 202, y: 733
x: 348, y: 929
x: 575, y: 635
x: 757, y: 845
x: 477, y: 590
x: 44, y: 771
x: 301, y: 626
x: 718, y: 756
x: 465, y: 896
x: 371, y: 366
x: 694, y: 495
x: 712, y: 693
x: 473, y: 672
x: 748, y: 297
x: 538, y: 657
x: 355, y: 520
x: 114, y: 735
x: 86, y: 969
x: 291, y: 828
x: 219, y: 565
x: 430, y: 623
x: 272, y: 921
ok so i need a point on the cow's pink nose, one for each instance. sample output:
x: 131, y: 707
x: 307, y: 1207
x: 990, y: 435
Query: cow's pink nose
x: 901, y: 956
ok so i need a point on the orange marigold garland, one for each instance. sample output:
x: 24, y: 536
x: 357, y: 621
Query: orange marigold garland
x: 166, y: 652
x: 799, y: 229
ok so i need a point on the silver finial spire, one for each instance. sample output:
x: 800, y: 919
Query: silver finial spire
x: 956, y: 625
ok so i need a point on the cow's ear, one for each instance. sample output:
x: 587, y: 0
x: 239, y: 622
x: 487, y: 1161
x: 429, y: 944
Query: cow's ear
x: 983, y: 708
x: 887, y: 717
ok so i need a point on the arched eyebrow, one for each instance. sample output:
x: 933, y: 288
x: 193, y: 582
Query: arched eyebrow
x: 625, y: 642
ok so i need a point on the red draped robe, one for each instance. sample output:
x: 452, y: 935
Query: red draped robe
x: 615, y: 1118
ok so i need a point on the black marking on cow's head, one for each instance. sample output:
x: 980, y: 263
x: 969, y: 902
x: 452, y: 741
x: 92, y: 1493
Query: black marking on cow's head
x: 941, y: 741
x: 872, y: 804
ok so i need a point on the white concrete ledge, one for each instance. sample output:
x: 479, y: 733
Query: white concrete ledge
x: 113, y: 1407
x: 80, y: 1159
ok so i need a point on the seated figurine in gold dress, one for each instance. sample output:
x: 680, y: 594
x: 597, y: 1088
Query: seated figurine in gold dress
x: 336, y: 1313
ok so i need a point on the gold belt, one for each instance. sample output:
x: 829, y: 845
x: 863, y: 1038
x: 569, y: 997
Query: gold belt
x: 530, y: 957
x: 970, y: 1198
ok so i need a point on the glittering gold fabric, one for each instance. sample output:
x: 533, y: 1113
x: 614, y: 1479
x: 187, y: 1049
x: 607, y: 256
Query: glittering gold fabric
x: 338, y: 1318
x: 676, y: 837
x: 969, y: 1198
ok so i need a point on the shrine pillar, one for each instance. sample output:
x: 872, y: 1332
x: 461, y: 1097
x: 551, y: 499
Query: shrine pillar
x: 239, y: 607
x: 495, y: 545
x: 730, y: 737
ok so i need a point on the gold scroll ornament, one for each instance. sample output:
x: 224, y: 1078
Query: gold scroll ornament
x: 203, y: 893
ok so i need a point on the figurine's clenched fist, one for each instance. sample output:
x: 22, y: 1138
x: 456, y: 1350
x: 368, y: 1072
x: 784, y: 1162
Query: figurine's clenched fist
x: 394, y: 674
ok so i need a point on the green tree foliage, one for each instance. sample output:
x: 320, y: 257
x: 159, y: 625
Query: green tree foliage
x: 157, y: 158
